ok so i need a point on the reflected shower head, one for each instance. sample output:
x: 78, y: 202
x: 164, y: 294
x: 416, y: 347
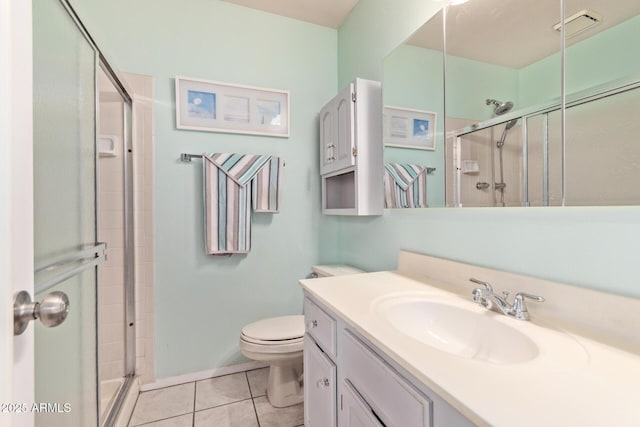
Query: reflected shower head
x: 511, y: 123
x: 500, y: 107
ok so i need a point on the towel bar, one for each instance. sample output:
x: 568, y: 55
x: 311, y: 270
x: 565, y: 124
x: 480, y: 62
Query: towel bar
x: 186, y: 157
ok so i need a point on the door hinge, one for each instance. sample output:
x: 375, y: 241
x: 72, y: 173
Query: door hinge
x: 353, y: 96
x: 341, y: 402
x: 354, y: 151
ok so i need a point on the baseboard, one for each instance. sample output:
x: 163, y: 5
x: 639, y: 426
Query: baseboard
x: 202, y: 375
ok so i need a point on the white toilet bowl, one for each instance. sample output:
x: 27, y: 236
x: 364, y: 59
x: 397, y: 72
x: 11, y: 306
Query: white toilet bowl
x: 278, y: 341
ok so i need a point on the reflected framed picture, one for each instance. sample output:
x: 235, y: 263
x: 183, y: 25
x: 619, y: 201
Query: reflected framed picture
x: 409, y: 128
x: 210, y: 106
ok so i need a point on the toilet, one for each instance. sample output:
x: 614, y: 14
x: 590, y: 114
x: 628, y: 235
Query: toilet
x: 278, y: 341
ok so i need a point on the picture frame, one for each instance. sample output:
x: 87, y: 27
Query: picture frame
x: 409, y: 128
x: 211, y: 106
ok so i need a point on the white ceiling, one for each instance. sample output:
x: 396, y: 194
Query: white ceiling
x: 514, y: 33
x: 329, y: 13
x: 511, y: 33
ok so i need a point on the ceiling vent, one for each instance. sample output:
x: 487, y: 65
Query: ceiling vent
x: 579, y: 22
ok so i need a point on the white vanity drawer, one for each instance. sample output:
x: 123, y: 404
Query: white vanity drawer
x: 320, y: 326
x: 391, y: 397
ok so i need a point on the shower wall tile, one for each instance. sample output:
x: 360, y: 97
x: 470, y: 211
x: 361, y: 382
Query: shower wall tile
x: 113, y: 199
x: 111, y: 220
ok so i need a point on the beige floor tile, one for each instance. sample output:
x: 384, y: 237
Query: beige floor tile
x: 269, y: 416
x: 239, y: 414
x: 258, y: 381
x: 181, y: 421
x: 222, y: 390
x: 163, y: 403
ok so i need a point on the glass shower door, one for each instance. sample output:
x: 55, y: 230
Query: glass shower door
x: 65, y: 249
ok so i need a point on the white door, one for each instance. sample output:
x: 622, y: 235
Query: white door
x: 47, y: 214
x: 16, y: 207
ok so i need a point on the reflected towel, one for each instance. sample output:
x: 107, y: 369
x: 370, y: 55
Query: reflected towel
x: 405, y: 186
x: 227, y: 198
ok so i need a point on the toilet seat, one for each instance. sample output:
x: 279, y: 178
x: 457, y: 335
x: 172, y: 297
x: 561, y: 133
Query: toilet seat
x: 277, y: 335
x: 271, y: 342
x: 274, y: 330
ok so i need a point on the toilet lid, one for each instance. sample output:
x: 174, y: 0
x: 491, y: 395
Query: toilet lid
x: 275, y: 328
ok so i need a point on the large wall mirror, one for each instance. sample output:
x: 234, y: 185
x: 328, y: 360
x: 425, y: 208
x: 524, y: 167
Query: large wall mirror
x: 501, y: 105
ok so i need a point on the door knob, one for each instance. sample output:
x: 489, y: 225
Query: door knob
x: 52, y: 310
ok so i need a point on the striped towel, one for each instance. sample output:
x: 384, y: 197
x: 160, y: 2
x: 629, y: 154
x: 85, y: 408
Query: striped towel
x: 230, y: 181
x: 266, y: 188
x: 405, y: 186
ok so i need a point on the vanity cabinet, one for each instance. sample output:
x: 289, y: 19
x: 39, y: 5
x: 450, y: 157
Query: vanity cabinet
x: 348, y: 382
x: 320, y: 374
x: 354, y: 411
x: 390, y: 398
x: 351, y: 150
x: 319, y: 390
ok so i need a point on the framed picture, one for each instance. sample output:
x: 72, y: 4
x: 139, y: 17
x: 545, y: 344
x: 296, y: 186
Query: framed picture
x: 408, y: 128
x: 221, y: 107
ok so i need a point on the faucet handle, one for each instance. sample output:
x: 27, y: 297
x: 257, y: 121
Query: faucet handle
x: 520, y: 308
x: 480, y: 282
x: 530, y: 296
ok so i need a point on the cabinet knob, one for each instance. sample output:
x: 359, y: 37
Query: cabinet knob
x: 312, y: 324
x: 324, y: 382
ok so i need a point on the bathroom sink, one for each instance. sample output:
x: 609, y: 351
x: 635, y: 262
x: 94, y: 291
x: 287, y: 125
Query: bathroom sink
x: 457, y: 328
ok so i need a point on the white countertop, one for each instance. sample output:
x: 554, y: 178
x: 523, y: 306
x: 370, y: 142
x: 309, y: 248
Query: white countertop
x: 574, y: 381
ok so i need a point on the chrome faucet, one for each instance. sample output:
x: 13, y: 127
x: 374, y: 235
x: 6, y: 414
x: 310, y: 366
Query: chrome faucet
x: 486, y: 298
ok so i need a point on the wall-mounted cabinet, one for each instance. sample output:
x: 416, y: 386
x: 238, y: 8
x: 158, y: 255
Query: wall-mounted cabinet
x: 351, y: 150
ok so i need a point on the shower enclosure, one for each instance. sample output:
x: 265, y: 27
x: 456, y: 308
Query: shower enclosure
x: 83, y: 244
x: 519, y: 158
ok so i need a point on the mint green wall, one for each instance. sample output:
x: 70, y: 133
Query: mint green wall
x: 373, y: 29
x: 202, y: 302
x: 589, y: 247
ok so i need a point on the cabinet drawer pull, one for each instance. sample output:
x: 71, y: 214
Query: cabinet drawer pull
x: 324, y: 382
x: 312, y: 324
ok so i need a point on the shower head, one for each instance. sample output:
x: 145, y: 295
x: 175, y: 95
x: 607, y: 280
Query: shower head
x: 500, y: 107
x: 511, y: 123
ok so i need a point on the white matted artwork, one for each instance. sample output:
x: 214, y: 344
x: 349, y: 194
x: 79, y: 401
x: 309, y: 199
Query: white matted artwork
x: 221, y: 107
x: 409, y: 128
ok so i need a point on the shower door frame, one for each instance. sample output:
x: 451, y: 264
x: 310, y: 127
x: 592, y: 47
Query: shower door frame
x: 129, y: 243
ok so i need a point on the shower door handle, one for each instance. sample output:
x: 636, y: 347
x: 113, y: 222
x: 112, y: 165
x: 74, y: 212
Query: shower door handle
x: 52, y: 310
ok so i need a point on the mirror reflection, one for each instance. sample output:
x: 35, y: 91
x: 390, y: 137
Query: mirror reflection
x: 503, y: 103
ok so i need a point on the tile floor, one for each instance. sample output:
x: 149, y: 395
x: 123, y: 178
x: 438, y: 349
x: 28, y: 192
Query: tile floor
x: 236, y: 400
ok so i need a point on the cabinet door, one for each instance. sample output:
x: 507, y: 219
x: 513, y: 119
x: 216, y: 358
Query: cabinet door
x: 354, y: 412
x: 337, y: 132
x: 319, y: 387
x: 327, y: 138
x: 345, y: 129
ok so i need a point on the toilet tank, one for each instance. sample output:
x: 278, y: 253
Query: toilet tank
x: 335, y: 270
